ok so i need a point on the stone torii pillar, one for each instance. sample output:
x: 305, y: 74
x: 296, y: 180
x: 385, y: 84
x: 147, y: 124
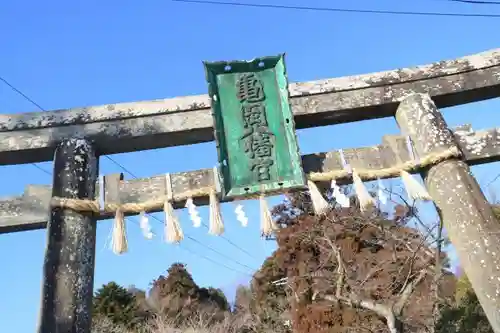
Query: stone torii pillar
x: 466, y: 214
x: 68, y: 272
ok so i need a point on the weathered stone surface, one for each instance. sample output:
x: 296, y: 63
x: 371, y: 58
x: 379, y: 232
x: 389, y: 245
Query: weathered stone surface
x: 466, y: 214
x: 125, y: 127
x: 68, y: 271
x: 419, y: 118
x: 29, y: 211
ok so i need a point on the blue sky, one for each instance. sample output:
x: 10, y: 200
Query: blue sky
x: 68, y: 54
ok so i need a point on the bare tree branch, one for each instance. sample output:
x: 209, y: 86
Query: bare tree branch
x: 358, y: 270
x: 438, y: 273
x: 408, y: 290
x: 381, y: 310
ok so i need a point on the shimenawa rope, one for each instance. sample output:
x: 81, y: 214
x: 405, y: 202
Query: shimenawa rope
x: 87, y: 205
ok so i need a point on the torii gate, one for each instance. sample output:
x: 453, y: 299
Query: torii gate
x: 75, y: 138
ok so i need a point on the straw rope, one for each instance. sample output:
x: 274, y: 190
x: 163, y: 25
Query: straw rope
x: 394, y: 171
x: 87, y: 205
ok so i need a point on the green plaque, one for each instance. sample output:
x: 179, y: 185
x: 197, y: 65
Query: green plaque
x: 254, y: 127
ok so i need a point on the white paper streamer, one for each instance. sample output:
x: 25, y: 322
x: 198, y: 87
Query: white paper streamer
x: 145, y: 226
x: 193, y: 213
x: 240, y: 215
x: 339, y: 196
x: 101, y: 192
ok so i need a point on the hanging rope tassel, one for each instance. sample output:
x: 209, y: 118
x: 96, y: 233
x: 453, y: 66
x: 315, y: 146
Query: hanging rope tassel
x: 339, y: 197
x: 267, y: 224
x: 320, y: 205
x: 382, y: 197
x: 414, y: 189
x: 145, y: 226
x: 173, y: 230
x: 240, y: 215
x: 119, y: 243
x: 365, y: 199
x: 216, y: 225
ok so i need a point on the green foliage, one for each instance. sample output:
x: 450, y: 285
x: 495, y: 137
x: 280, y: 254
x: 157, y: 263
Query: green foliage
x: 180, y: 299
x: 215, y: 297
x: 174, y: 293
x: 265, y: 306
x: 466, y: 314
x: 117, y: 304
x: 269, y: 302
x: 179, y: 282
x: 269, y: 297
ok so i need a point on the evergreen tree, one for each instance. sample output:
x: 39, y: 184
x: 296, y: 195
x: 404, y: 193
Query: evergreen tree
x: 179, y: 298
x: 117, y: 304
x: 466, y: 314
